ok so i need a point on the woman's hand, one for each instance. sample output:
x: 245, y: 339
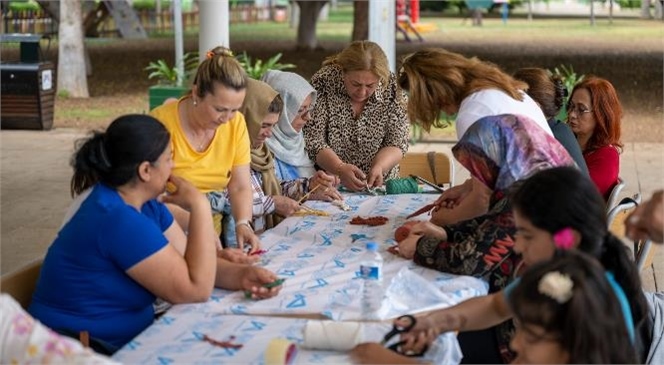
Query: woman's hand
x: 184, y: 194
x: 408, y: 246
x: 428, y: 327
x: 352, y: 177
x: 324, y: 179
x: 454, y: 195
x: 374, y: 353
x: 237, y: 255
x: 647, y: 220
x: 324, y: 187
x: 424, y: 228
x: 253, y: 280
x: 246, y: 236
x: 375, y: 177
x: 285, y: 206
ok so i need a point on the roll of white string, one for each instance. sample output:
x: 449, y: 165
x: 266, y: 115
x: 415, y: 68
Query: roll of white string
x: 330, y: 335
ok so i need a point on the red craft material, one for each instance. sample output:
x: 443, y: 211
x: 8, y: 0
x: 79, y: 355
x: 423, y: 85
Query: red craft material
x: 369, y: 221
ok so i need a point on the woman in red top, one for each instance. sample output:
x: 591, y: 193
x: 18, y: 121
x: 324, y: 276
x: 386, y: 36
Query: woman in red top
x: 594, y: 114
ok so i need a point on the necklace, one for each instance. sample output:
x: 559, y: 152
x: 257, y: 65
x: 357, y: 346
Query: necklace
x: 199, y: 143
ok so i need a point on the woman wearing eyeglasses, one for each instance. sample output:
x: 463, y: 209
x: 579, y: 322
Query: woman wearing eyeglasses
x: 359, y: 128
x: 594, y: 114
x: 287, y: 141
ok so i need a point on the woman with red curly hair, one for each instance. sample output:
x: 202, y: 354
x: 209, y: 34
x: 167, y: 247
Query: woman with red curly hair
x: 594, y: 114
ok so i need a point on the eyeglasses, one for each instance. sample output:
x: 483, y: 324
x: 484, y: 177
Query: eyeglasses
x: 302, y: 112
x: 579, y: 108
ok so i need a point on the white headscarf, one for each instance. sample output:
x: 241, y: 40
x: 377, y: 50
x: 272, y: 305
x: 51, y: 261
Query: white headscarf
x: 286, y: 144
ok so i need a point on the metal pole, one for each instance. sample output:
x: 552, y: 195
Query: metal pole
x: 382, y: 28
x: 214, y: 25
x: 179, y: 47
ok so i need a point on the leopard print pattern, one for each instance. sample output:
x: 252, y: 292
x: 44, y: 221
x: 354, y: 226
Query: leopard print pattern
x: 382, y: 123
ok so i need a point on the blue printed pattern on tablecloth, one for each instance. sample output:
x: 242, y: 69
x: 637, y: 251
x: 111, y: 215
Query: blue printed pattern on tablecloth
x: 319, y: 257
x: 185, y: 342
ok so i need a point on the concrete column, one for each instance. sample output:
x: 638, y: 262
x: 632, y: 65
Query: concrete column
x: 214, y: 27
x: 382, y: 28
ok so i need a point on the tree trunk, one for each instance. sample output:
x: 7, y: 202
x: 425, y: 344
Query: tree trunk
x: 360, y: 20
x: 306, y: 28
x: 71, y: 58
x: 52, y: 8
x: 645, y: 9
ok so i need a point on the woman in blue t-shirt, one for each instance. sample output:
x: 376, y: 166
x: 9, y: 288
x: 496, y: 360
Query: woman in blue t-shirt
x: 120, y: 248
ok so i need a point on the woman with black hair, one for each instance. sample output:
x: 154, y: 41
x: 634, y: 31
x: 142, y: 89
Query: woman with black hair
x: 554, y: 210
x: 120, y: 247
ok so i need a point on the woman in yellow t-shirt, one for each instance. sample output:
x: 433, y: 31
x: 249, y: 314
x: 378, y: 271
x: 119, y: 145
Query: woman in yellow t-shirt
x: 210, y: 140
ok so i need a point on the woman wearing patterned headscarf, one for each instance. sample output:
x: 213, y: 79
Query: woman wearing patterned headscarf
x: 498, y: 151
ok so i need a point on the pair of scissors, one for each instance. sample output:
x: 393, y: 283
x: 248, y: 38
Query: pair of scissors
x: 402, y: 324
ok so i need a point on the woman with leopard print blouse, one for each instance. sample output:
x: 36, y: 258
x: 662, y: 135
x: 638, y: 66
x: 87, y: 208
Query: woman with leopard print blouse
x: 359, y: 129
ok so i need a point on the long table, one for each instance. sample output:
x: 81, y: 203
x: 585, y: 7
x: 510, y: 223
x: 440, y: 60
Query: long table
x: 319, y: 257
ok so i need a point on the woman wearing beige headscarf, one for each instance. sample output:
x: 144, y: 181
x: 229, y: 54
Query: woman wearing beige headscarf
x: 273, y: 199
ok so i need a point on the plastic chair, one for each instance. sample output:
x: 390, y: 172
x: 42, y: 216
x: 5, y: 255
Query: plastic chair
x: 433, y: 166
x: 21, y: 283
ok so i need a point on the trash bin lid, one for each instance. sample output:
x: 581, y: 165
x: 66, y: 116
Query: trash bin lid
x: 20, y: 37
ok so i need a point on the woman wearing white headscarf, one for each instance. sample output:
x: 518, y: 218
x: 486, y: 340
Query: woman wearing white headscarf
x: 287, y: 141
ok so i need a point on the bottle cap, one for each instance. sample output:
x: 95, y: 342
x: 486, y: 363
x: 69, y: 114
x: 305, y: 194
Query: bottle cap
x: 372, y: 246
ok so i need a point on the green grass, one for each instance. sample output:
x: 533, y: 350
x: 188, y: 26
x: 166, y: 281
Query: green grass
x: 85, y: 114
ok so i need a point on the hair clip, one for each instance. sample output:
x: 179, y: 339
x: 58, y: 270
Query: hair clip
x: 564, y: 239
x: 556, y: 286
x: 209, y: 55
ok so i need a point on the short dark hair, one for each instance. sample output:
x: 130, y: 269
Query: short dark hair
x: 112, y: 157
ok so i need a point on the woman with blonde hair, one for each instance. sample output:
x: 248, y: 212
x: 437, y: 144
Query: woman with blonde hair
x: 210, y: 142
x: 359, y: 129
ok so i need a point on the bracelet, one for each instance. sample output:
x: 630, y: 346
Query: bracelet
x: 244, y: 222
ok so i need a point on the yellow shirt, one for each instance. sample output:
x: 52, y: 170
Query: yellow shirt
x: 209, y: 170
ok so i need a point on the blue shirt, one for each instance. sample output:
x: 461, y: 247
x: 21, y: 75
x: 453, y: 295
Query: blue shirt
x: 83, y: 285
x: 285, y: 171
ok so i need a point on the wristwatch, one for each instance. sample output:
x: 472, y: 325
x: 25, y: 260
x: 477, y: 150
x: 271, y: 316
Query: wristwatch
x: 244, y: 222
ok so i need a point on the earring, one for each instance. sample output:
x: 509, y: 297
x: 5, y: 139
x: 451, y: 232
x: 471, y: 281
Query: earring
x: 195, y: 102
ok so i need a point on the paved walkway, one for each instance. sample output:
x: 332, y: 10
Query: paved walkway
x: 35, y: 175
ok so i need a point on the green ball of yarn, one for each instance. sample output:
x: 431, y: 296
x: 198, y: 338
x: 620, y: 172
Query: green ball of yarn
x: 404, y: 185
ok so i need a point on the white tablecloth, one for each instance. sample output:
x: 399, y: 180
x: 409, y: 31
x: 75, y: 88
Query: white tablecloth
x: 319, y: 258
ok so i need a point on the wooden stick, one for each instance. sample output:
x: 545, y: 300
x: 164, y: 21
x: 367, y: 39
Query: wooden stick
x: 307, y: 194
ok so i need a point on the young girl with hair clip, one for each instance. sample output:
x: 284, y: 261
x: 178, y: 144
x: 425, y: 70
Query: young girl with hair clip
x: 567, y: 311
x: 555, y: 209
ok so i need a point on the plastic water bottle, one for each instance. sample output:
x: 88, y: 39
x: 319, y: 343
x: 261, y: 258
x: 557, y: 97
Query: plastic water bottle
x: 371, y: 270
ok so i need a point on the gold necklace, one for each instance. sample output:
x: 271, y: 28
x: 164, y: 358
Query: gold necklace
x: 194, y: 138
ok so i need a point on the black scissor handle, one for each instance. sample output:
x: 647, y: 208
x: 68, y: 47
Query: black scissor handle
x: 397, y: 348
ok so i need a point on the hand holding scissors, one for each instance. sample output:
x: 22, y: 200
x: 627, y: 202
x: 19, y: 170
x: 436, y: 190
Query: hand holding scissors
x: 404, y: 325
